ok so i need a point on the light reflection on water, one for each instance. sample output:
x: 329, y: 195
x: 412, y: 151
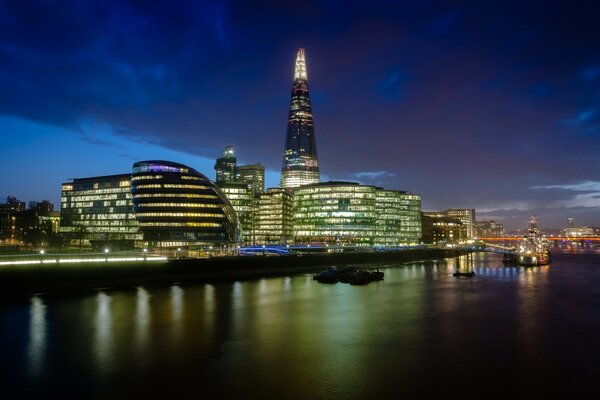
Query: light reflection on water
x: 295, y: 338
x: 103, y: 332
x: 36, y: 347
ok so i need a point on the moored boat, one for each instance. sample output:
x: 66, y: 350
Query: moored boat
x: 534, y: 249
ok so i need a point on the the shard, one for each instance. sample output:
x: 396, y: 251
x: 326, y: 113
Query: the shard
x: 300, y: 164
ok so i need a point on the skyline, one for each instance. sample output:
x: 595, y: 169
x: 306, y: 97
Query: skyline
x: 512, y: 105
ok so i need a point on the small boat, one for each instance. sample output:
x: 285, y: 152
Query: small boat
x: 534, y: 249
x: 353, y: 276
x: 331, y: 275
x: 458, y: 274
x: 362, y: 277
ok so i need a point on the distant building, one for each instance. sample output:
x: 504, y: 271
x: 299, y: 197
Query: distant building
x: 580, y: 231
x: 488, y: 229
x: 440, y: 230
x: 36, y: 226
x: 227, y: 171
x: 98, y: 212
x: 465, y: 215
x: 43, y: 206
x: 225, y: 166
x: 273, y: 219
x: 253, y: 175
x: 347, y: 213
x: 9, y: 226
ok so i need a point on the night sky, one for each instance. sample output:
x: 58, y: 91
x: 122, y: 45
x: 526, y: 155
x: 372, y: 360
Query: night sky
x: 486, y: 105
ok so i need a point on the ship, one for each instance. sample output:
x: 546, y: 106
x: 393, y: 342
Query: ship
x: 534, y: 249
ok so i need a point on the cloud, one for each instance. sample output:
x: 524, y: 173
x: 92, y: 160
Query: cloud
x: 586, y: 186
x: 589, y: 198
x: 372, y: 174
x: 583, y: 116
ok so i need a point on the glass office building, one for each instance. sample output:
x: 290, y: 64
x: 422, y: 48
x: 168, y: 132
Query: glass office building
x: 347, y: 213
x: 243, y: 202
x: 98, y: 212
x: 273, y: 218
x: 253, y: 175
x: 176, y: 205
x: 398, y: 218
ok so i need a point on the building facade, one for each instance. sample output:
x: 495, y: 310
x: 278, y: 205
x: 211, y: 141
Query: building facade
x: 243, y: 202
x: 253, y: 175
x: 398, y: 218
x: 442, y: 230
x: 273, y: 217
x: 488, y: 229
x: 347, y: 213
x: 98, y: 212
x: 300, y: 164
x: 225, y: 166
x: 176, y: 205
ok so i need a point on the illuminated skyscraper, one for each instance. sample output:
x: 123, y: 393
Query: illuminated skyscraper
x: 225, y: 166
x: 300, y: 165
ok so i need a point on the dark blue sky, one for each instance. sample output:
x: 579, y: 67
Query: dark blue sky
x: 470, y: 104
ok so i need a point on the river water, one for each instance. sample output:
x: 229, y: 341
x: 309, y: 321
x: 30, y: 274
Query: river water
x: 508, y: 331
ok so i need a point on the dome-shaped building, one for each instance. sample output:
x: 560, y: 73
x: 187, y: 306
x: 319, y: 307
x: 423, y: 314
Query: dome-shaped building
x: 176, y: 205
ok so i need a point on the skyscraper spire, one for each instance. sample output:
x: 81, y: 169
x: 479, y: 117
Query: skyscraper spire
x: 300, y: 164
x: 300, y: 70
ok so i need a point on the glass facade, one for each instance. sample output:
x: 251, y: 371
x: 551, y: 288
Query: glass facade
x: 347, y: 213
x: 177, y: 206
x: 300, y: 164
x: 466, y: 216
x: 225, y: 165
x: 253, y: 175
x: 273, y: 218
x: 398, y: 218
x: 243, y: 201
x: 99, y: 212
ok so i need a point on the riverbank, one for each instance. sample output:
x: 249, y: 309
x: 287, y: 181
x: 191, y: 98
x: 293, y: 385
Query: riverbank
x: 73, y: 277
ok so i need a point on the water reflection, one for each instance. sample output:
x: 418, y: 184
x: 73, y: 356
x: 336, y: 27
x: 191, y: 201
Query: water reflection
x: 142, y: 318
x: 176, y: 311
x: 103, y: 332
x: 294, y: 337
x: 36, y: 347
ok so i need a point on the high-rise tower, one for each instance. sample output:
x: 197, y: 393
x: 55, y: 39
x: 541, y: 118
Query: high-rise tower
x: 300, y: 165
x: 225, y: 166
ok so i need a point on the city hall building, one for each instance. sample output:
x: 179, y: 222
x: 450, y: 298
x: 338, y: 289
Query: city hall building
x: 160, y: 204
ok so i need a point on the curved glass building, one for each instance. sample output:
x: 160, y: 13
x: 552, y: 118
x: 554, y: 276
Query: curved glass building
x: 176, y: 205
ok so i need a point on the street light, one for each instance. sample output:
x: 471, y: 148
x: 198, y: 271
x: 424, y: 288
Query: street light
x: 106, y: 250
x: 42, y: 251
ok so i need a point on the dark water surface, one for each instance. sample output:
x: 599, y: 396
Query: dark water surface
x: 521, y: 333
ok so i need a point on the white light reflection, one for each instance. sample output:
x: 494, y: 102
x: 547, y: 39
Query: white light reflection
x: 103, y: 333
x: 209, y: 298
x: 36, y: 347
x: 142, y: 318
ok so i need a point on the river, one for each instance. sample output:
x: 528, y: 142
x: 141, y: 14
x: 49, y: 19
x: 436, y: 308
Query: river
x: 506, y: 332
